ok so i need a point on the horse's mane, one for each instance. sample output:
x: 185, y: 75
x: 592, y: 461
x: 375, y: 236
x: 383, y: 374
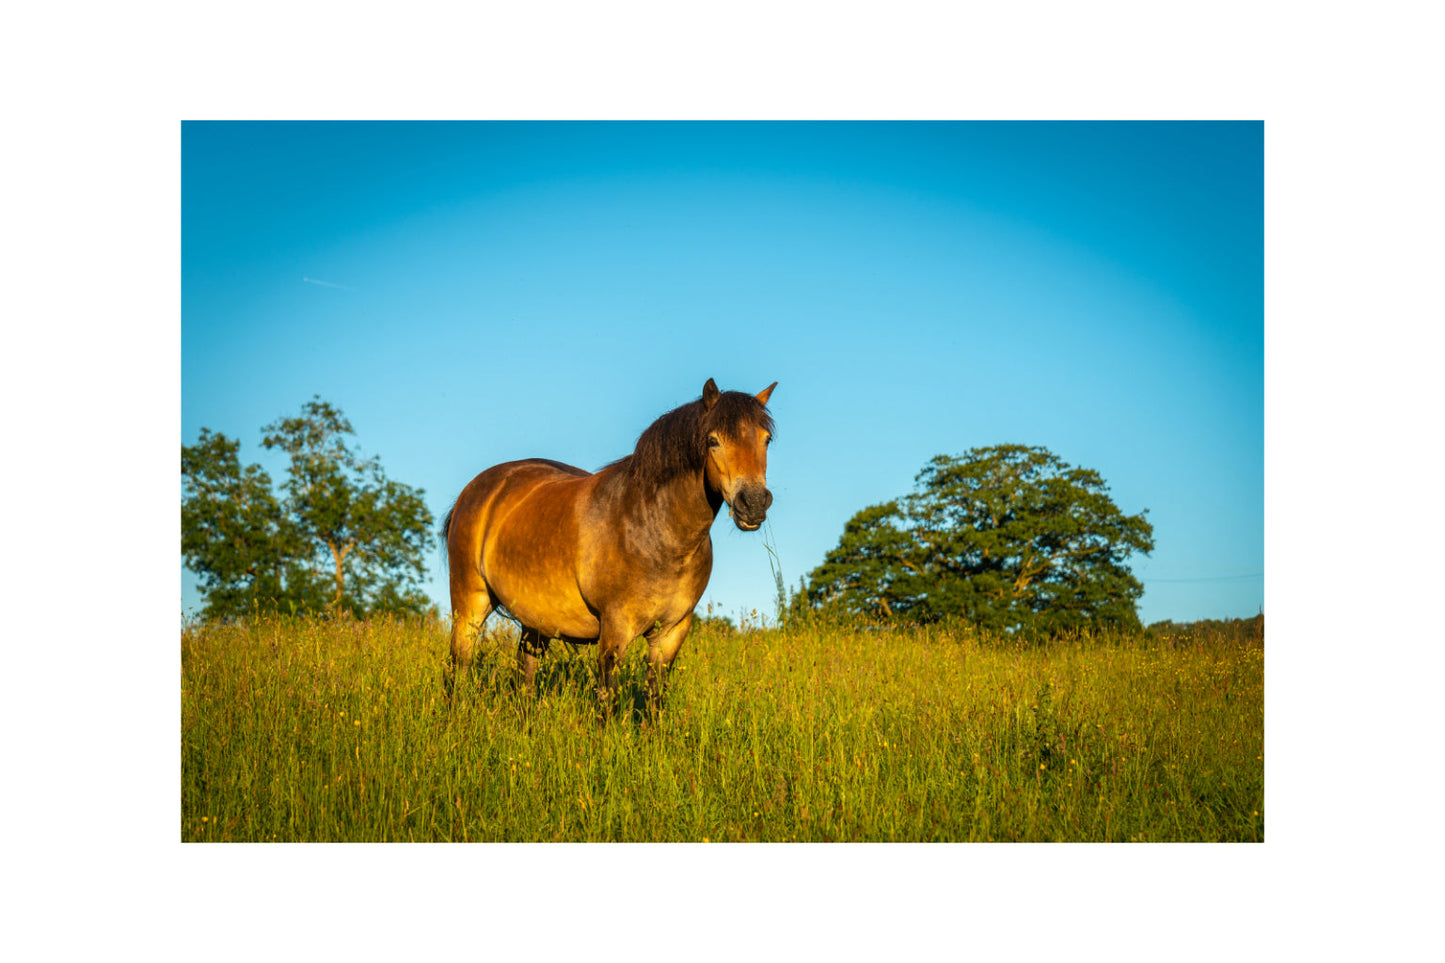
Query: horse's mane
x: 676, y: 443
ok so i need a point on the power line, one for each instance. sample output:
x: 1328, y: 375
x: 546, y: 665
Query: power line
x: 1206, y: 578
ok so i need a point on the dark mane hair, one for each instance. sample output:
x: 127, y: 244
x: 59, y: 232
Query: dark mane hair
x: 676, y: 443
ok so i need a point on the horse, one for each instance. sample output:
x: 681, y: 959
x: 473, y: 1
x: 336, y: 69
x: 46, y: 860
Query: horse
x: 603, y: 558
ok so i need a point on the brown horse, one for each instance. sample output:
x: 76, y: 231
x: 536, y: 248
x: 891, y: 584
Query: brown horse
x: 614, y: 555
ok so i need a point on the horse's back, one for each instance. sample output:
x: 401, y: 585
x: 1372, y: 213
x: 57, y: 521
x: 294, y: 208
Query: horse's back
x: 496, y: 491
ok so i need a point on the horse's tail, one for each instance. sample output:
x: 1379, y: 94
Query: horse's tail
x: 447, y: 522
x: 445, y: 533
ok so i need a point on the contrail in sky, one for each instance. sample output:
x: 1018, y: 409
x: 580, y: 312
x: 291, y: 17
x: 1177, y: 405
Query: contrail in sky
x: 326, y: 284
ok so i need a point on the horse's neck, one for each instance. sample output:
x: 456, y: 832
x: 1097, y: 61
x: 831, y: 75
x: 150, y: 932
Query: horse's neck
x: 679, y: 514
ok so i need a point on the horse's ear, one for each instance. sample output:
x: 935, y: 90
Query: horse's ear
x: 767, y: 393
x: 710, y: 394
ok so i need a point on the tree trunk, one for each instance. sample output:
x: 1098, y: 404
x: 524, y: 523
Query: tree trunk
x: 339, y: 554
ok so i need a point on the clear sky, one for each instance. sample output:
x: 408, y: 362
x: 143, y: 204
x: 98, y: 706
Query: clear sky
x: 472, y: 293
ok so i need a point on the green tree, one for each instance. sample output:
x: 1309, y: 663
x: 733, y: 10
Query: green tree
x: 342, y: 537
x: 1008, y: 537
x: 234, y: 533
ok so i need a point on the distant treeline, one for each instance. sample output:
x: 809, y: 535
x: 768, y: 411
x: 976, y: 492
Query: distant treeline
x: 1242, y: 630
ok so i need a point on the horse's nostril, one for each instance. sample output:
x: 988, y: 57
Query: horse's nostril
x: 752, y: 502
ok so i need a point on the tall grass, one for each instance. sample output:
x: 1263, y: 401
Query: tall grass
x: 297, y: 729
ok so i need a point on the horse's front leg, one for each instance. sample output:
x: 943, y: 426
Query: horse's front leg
x: 663, y: 646
x: 612, y: 644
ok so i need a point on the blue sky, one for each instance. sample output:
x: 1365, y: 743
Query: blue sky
x: 473, y: 293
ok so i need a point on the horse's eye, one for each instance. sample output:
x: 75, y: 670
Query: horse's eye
x: 769, y: 441
x: 713, y: 442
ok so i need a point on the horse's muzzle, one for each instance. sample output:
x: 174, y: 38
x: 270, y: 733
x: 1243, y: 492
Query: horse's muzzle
x: 750, y: 507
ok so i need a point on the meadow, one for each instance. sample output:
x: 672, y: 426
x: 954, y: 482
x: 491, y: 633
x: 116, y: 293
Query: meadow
x: 338, y: 730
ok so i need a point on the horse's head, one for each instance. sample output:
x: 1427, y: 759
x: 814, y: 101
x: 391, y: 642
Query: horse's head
x: 738, y: 433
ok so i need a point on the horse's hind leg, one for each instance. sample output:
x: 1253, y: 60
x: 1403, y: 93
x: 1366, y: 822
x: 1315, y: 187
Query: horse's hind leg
x: 471, y: 604
x: 530, y: 648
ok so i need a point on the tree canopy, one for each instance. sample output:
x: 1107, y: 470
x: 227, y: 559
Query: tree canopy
x: 339, y: 535
x: 1008, y: 537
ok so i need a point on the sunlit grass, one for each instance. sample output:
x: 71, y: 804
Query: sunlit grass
x: 299, y: 730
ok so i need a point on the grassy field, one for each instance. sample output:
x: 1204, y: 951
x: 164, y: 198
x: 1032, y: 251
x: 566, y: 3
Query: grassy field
x: 299, y: 730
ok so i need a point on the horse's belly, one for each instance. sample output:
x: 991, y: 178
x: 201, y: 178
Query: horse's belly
x: 552, y: 616
x: 537, y: 584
